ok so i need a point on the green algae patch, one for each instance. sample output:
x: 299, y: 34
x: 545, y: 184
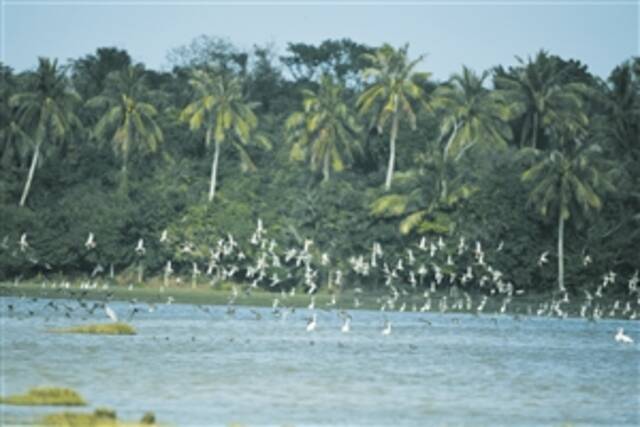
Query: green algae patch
x: 99, y: 329
x: 101, y: 417
x: 46, y: 396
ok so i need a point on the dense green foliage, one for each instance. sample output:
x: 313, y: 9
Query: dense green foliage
x: 461, y: 166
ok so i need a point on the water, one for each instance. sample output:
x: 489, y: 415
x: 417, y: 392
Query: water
x: 194, y: 368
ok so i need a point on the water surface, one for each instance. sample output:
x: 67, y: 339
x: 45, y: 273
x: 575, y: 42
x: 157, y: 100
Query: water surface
x: 196, y: 368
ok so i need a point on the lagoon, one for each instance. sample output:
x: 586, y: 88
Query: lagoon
x: 194, y: 368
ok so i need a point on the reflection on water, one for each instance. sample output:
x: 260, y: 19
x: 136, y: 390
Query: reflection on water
x: 196, y: 368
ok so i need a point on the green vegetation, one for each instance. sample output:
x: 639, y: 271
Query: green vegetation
x: 483, y: 156
x: 46, y: 396
x: 99, y: 329
x: 101, y: 417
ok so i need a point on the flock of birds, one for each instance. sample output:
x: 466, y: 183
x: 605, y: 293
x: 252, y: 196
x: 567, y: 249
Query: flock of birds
x: 429, y: 275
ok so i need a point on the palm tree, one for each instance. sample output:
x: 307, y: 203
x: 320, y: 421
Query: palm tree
x: 45, y: 112
x: 327, y: 125
x: 472, y: 115
x: 566, y: 183
x: 394, y: 86
x: 619, y: 126
x: 541, y: 92
x: 128, y: 120
x: 219, y: 105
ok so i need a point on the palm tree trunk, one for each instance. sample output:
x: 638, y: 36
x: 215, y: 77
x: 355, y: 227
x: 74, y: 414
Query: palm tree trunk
x: 392, y: 150
x: 123, y: 177
x: 214, y: 171
x: 32, y: 170
x: 534, y: 141
x: 561, y: 253
x: 325, y: 168
x: 450, y: 141
x: 443, y: 169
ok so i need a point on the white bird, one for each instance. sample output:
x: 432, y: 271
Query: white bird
x: 23, y: 242
x: 423, y: 244
x: 168, y: 270
x: 387, y: 328
x: 500, y: 246
x: 112, y: 314
x: 543, y: 258
x: 164, y: 236
x: 587, y: 260
x: 91, y: 242
x: 140, y: 250
x: 311, y: 325
x: 622, y: 338
x: 346, y: 326
x: 312, y: 304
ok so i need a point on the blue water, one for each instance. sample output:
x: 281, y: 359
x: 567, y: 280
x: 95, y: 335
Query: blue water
x: 194, y: 368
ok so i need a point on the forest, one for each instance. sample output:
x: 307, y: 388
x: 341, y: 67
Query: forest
x: 344, y: 144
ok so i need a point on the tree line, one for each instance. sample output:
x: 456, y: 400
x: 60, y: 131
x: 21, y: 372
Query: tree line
x: 343, y: 143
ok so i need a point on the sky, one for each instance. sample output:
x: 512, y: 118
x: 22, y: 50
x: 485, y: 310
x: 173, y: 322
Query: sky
x: 479, y: 34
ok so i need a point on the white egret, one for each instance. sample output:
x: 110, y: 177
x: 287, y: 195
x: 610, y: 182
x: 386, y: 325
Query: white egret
x: 112, y: 314
x: 387, y: 328
x: 23, y: 242
x: 140, y: 250
x: 622, y: 338
x: 311, y: 324
x: 543, y: 258
x: 91, y: 242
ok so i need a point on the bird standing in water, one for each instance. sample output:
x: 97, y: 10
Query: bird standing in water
x: 622, y: 338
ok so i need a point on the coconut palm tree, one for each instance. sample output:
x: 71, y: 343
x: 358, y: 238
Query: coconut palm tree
x: 219, y: 105
x: 541, y: 91
x: 45, y: 112
x: 619, y: 126
x: 566, y: 183
x: 390, y: 95
x: 128, y: 121
x: 326, y: 125
x: 472, y: 115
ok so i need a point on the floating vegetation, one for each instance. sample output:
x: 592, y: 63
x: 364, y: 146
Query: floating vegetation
x: 101, y: 417
x: 46, y: 396
x: 100, y: 328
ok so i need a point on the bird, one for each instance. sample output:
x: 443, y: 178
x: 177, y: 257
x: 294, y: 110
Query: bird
x: 23, y: 242
x: 311, y: 324
x: 543, y: 259
x: 164, y: 236
x: 346, y: 326
x: 91, y: 242
x: 112, y: 314
x: 387, y: 328
x: 622, y: 338
x: 140, y: 250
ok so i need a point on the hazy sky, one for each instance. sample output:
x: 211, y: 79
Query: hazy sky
x: 479, y: 34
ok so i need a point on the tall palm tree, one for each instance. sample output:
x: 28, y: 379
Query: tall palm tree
x: 327, y: 125
x: 541, y: 90
x: 619, y: 126
x: 395, y: 85
x: 567, y: 181
x: 219, y: 105
x: 45, y: 112
x: 127, y: 120
x: 472, y: 115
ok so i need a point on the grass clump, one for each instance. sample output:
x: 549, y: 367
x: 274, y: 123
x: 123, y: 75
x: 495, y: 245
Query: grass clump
x: 46, y: 396
x: 100, y: 329
x: 101, y: 417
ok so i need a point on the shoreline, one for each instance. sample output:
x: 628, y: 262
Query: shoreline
x: 525, y: 305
